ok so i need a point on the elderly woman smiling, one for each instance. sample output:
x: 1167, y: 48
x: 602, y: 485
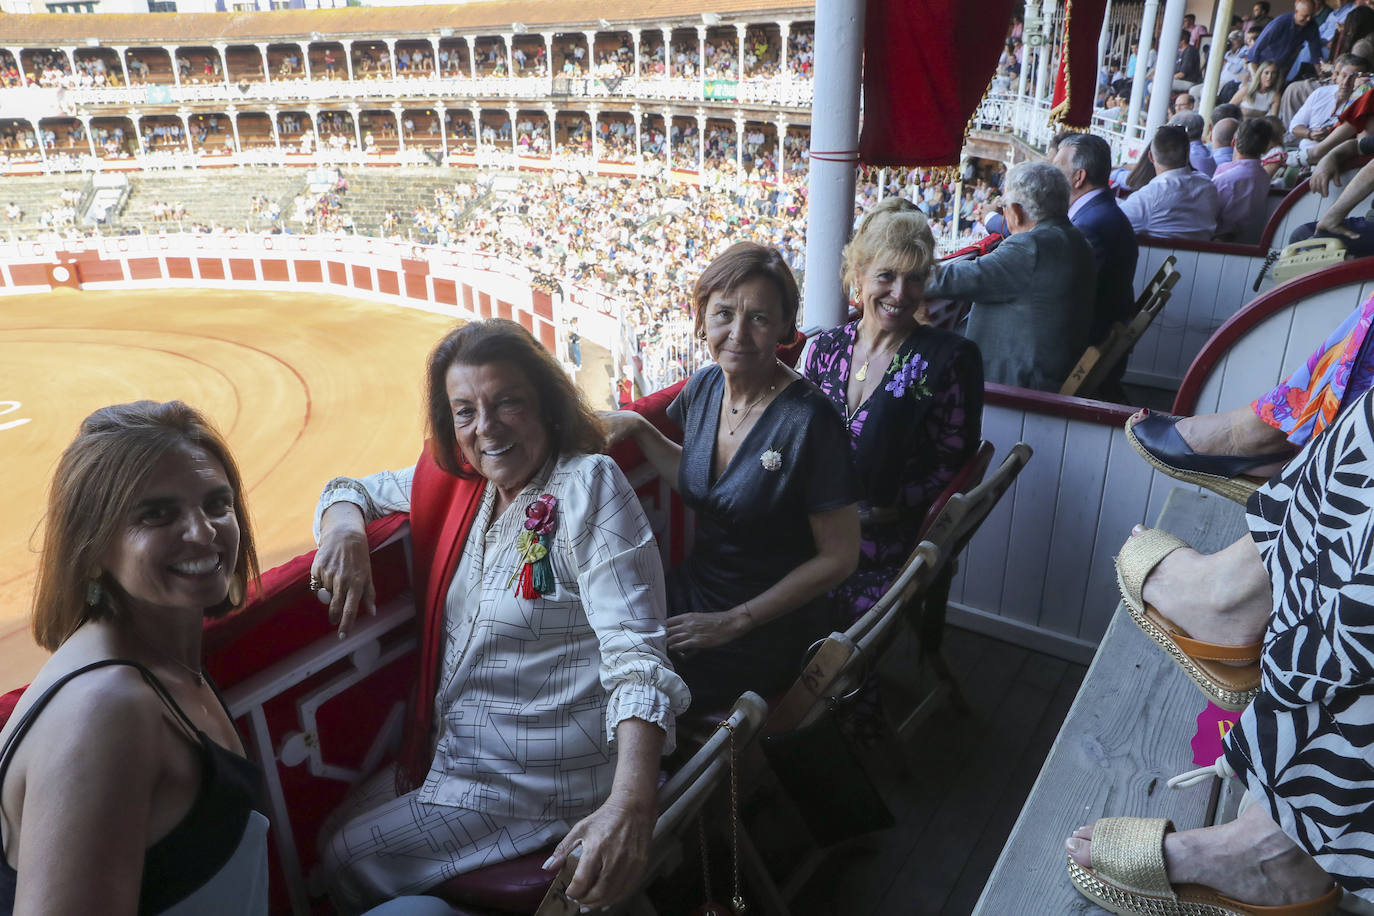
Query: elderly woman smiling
x: 545, y: 697
x: 765, y: 465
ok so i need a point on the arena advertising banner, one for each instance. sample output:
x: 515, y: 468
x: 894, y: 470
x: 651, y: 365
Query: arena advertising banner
x: 722, y: 89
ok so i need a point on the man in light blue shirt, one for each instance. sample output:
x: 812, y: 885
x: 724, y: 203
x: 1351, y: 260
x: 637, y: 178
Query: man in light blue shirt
x: 1179, y: 202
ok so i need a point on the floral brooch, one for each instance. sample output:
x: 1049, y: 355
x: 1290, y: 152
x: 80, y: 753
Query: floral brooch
x: 908, y: 374
x: 536, y: 571
x: 771, y: 459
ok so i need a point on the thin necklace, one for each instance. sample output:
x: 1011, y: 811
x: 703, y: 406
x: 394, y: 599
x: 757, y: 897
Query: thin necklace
x: 862, y: 374
x: 196, y: 674
x: 748, y: 409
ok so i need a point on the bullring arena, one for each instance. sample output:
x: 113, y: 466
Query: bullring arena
x: 305, y: 386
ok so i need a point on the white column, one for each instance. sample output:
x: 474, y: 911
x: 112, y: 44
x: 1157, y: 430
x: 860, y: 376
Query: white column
x: 701, y: 144
x: 701, y: 52
x: 638, y: 114
x: 781, y: 126
x: 1031, y: 16
x: 305, y: 57
x: 86, y: 126
x: 176, y: 68
x: 472, y: 56
x: 120, y: 51
x: 635, y: 36
x: 1104, y: 42
x: 739, y: 145
x: 591, y: 51
x: 592, y: 113
x: 38, y: 138
x: 314, y: 112
x: 510, y: 61
x: 391, y: 57
x: 134, y: 118
x: 514, y: 134
x: 785, y: 30
x: 1042, y: 66
x: 740, y: 29
x: 667, y: 141
x: 223, y: 50
x: 71, y: 59
x: 1211, y: 83
x: 233, y: 114
x: 1163, y: 89
x: 835, y: 133
x: 434, y: 44
x: 399, y: 115
x: 356, y: 112
x: 476, y: 128
x: 548, y: 53
x: 185, y: 116
x: 1142, y: 58
x: 276, y: 128
x: 266, y: 63
x: 667, y: 52
x: 441, y: 111
x: 348, y: 59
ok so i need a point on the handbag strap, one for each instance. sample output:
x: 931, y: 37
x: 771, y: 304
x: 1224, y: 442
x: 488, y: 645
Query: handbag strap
x: 820, y: 672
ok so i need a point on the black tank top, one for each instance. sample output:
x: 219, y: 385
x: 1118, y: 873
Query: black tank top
x: 203, y: 841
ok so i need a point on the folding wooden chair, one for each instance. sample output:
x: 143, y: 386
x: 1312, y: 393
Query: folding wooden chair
x: 680, y: 800
x: 837, y: 667
x: 1098, y: 360
x: 949, y: 533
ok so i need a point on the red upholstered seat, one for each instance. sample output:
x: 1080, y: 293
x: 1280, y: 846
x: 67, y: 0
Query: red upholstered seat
x: 8, y: 702
x: 517, y: 886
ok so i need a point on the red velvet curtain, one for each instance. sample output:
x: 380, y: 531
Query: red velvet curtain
x: 927, y: 64
x: 1075, y: 80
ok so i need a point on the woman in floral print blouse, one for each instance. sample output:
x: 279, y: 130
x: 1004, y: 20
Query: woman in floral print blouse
x: 911, y: 395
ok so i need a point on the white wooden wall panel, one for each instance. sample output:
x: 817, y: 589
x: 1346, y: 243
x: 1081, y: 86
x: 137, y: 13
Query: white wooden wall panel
x: 979, y: 583
x: 1276, y: 347
x: 1033, y: 517
x: 1081, y: 477
x: 1125, y: 494
x: 1044, y: 556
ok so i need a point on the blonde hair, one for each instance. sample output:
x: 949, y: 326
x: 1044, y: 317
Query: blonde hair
x: 894, y: 230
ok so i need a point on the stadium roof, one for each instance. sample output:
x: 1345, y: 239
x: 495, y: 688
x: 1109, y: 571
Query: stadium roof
x: 52, y: 29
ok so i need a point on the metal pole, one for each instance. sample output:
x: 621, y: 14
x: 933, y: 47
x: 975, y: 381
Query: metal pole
x: 1142, y: 64
x: 834, y: 151
x: 1163, y: 89
x: 1212, y: 83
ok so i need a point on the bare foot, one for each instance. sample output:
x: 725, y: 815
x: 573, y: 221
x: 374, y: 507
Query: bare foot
x: 1249, y: 859
x: 1236, y: 432
x: 1221, y: 598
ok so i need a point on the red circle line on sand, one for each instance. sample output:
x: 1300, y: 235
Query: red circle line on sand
x: 305, y: 388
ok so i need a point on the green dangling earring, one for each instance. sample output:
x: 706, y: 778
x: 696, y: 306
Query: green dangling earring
x: 94, y: 592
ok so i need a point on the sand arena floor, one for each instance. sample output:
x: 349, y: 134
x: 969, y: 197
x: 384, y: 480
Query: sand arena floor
x: 305, y: 387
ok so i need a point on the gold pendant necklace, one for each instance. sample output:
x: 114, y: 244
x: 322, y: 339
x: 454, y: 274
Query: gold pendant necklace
x: 862, y: 374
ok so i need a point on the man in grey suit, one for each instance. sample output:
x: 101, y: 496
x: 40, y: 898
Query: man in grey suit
x: 1032, y: 296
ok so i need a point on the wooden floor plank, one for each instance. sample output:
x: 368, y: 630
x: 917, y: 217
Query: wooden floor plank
x: 968, y: 886
x: 1127, y: 732
x: 857, y: 879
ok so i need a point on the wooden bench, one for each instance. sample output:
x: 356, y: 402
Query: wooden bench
x: 1129, y: 730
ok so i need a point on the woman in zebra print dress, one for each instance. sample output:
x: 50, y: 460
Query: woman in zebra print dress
x: 1304, y: 748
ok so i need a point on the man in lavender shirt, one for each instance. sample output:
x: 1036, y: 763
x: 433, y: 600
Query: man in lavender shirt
x: 1243, y: 185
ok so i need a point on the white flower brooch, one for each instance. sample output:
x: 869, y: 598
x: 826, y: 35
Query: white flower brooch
x: 771, y: 460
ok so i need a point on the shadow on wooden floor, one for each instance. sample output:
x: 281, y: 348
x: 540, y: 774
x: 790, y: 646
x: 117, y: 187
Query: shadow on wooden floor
x: 969, y: 776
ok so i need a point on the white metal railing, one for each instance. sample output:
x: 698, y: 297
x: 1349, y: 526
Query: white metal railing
x: 1029, y: 120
